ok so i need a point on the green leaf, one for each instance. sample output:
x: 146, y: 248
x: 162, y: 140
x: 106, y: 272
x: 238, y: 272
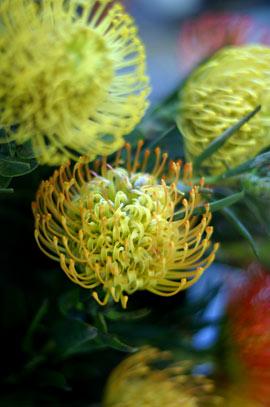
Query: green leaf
x: 112, y: 341
x: 241, y: 228
x: 5, y: 181
x: 219, y: 141
x: 215, y: 205
x: 12, y: 168
x: 6, y: 190
x: 42, y: 311
x: 256, y: 162
x: 73, y: 335
x: 25, y: 151
x: 161, y: 137
x: 68, y: 302
x: 52, y: 378
x: 127, y: 315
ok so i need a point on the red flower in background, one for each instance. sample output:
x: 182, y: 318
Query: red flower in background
x: 249, y: 322
x: 204, y: 35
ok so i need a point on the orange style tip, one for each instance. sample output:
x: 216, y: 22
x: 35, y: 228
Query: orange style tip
x: 187, y: 166
x: 147, y: 152
x: 202, y: 181
x: 157, y: 150
x: 216, y: 246
x: 140, y: 143
x: 209, y: 230
x: 128, y: 146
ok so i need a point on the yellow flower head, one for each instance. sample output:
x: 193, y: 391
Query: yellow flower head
x: 217, y: 95
x: 138, y: 382
x: 72, y: 76
x: 114, y: 226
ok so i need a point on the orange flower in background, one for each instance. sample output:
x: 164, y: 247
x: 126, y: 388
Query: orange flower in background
x: 249, y: 324
x: 202, y: 36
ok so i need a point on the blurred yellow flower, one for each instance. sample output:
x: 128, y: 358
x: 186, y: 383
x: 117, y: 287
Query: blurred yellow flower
x: 113, y: 226
x: 236, y: 396
x: 217, y: 95
x: 72, y: 76
x: 138, y: 381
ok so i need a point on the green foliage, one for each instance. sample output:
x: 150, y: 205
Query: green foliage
x: 15, y: 161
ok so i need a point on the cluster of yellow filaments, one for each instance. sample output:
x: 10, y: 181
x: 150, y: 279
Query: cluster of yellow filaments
x: 114, y: 226
x: 217, y: 95
x: 72, y: 76
x: 141, y: 380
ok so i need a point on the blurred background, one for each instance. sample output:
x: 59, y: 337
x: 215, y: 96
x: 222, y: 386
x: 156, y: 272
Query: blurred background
x: 177, y: 33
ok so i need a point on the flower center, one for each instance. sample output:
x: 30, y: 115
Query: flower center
x: 127, y: 228
x: 67, y: 72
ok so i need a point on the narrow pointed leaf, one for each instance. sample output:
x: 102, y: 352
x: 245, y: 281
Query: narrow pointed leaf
x: 161, y: 137
x: 13, y: 168
x: 215, y: 205
x: 241, y: 228
x: 256, y: 162
x: 6, y: 190
x: 127, y: 315
x: 219, y: 141
x: 112, y: 341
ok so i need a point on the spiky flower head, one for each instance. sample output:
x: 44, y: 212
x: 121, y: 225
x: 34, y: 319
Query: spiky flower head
x: 72, y: 76
x: 217, y: 95
x: 149, y: 378
x: 113, y: 226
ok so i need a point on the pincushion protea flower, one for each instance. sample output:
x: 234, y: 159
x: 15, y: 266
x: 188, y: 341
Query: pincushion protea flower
x: 113, y: 226
x: 249, y: 328
x: 72, y: 76
x: 217, y: 95
x: 138, y: 382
